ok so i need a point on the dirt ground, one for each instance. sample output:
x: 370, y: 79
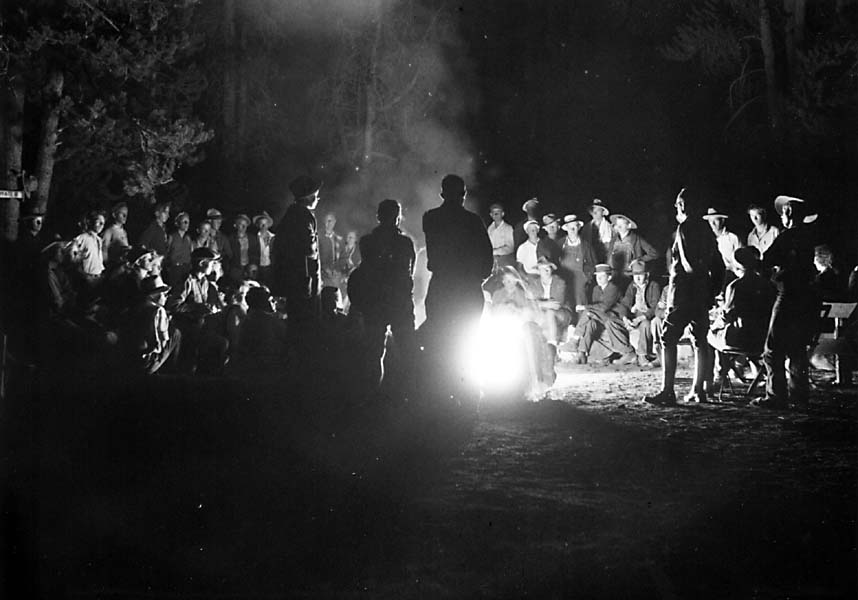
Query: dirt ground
x: 202, y: 489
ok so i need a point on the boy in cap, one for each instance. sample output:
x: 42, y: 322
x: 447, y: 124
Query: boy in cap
x: 641, y: 302
x: 148, y: 338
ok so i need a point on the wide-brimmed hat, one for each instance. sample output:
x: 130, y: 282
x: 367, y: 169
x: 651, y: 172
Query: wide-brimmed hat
x: 304, y: 185
x: 712, y: 213
x: 136, y: 253
x: 179, y: 216
x: 54, y: 245
x: 242, y: 217
x: 596, y: 203
x: 263, y: 216
x: 615, y: 218
x: 214, y: 213
x: 603, y: 268
x: 637, y: 267
x: 528, y: 223
x: 747, y: 256
x: 782, y: 201
x: 549, y: 219
x: 153, y: 285
x: 570, y: 221
x: 530, y: 204
x: 201, y: 254
x: 544, y: 261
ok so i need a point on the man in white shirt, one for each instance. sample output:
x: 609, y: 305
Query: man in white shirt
x: 728, y: 242
x: 763, y: 234
x: 525, y: 256
x: 501, y: 236
x: 87, y: 250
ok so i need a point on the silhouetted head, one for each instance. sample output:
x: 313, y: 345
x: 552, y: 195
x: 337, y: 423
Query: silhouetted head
x: 389, y: 212
x: 453, y: 189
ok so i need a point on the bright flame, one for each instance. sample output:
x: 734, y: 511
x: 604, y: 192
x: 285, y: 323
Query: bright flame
x: 494, y: 354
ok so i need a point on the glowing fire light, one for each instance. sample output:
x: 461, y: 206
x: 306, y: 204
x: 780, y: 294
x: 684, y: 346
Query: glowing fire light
x: 494, y: 354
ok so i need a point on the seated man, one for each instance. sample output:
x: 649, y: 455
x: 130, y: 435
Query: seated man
x: 549, y: 292
x: 262, y: 336
x: 600, y: 333
x: 742, y: 321
x: 148, y: 339
x: 641, y: 303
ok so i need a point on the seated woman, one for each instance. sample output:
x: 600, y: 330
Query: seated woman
x: 743, y: 320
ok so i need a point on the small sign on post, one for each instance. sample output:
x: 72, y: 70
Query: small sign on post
x: 12, y: 194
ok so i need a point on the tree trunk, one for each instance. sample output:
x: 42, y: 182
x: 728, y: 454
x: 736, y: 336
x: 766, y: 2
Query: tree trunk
x: 229, y: 74
x: 794, y: 25
x: 241, y: 141
x: 371, y: 97
x: 768, y: 46
x: 13, y: 143
x: 48, y: 143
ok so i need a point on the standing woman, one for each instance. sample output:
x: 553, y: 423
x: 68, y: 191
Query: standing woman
x: 179, y: 251
x: 115, y: 238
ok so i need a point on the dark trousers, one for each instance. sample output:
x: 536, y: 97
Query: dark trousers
x: 595, y: 325
x: 379, y: 346
x: 790, y: 331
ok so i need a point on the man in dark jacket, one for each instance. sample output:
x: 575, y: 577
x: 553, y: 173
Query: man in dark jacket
x: 297, y: 271
x: 388, y: 268
x: 696, y: 275
x: 601, y: 321
x: 155, y: 237
x: 459, y: 255
x: 628, y: 246
x: 640, y: 302
x: 796, y: 310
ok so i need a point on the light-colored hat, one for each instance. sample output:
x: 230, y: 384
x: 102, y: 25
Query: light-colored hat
x: 603, y: 268
x: 570, y: 221
x: 711, y: 213
x: 615, y: 218
x: 263, y: 216
x: 214, y: 213
x: 528, y: 223
x: 242, y: 217
x: 782, y: 201
x: 598, y: 204
x: 531, y: 203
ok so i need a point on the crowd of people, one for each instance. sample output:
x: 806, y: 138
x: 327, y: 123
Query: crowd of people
x: 266, y: 295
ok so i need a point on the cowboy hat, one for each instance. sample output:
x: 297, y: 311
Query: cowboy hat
x: 153, y: 285
x: 570, y: 221
x: 263, y: 216
x: 711, y: 213
x: 549, y: 219
x: 598, y: 204
x: 782, y: 201
x: 615, y: 218
x: 603, y: 268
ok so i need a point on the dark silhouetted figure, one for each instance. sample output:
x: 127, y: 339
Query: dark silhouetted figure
x: 796, y: 310
x: 388, y: 268
x: 696, y: 275
x: 459, y: 255
x: 296, y: 253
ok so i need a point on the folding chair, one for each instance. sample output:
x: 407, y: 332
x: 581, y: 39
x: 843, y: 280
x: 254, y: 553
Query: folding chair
x: 754, y: 358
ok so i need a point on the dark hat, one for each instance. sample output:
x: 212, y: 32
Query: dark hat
x: 604, y: 268
x: 549, y: 219
x: 615, y: 218
x: 598, y: 204
x: 201, y: 254
x: 747, y: 256
x: 259, y: 298
x: 304, y: 185
x: 136, y: 253
x: 153, y: 285
x: 782, y: 201
x: 637, y: 267
x: 263, y: 216
x: 544, y: 261
x: 711, y: 213
x: 570, y: 221
x: 31, y: 213
x: 214, y: 213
